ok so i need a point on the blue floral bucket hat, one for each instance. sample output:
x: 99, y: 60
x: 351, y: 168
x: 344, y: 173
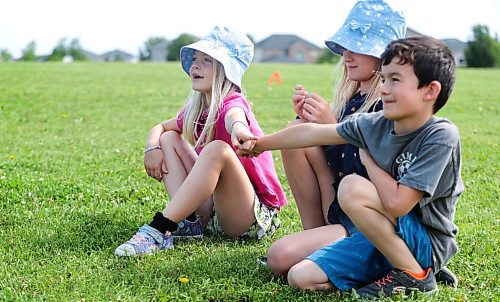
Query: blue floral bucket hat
x: 368, y: 29
x: 233, y: 50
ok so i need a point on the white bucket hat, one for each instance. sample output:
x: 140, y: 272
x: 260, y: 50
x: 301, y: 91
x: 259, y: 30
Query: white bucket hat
x: 369, y: 28
x: 233, y: 50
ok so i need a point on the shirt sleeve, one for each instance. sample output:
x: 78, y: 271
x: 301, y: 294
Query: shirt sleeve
x: 180, y: 118
x: 351, y: 129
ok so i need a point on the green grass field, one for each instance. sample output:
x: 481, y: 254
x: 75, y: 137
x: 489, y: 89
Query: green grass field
x: 73, y: 186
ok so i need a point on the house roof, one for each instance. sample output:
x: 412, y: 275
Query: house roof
x: 117, y: 52
x: 283, y: 42
x: 455, y: 45
x: 413, y: 33
x: 90, y: 55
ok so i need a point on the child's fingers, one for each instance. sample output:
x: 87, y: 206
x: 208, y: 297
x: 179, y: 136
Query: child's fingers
x: 164, y: 167
x: 246, y: 145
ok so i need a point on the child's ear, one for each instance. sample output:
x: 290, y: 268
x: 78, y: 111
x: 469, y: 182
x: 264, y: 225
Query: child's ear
x: 432, y: 91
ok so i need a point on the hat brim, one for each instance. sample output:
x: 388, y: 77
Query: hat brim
x: 357, y: 42
x: 217, y: 53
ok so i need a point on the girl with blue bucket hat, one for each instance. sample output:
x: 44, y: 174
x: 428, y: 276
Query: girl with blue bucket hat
x: 194, y: 154
x: 314, y: 173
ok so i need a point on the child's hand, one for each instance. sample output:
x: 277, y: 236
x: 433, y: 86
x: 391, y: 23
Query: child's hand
x: 242, y: 139
x: 298, y: 100
x: 317, y: 110
x: 249, y: 151
x: 155, y: 164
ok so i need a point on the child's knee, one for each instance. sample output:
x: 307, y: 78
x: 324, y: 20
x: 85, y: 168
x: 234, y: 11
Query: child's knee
x: 217, y: 147
x: 277, y: 257
x: 169, y: 138
x: 350, y: 190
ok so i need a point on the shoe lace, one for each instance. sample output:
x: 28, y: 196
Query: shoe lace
x: 384, y: 280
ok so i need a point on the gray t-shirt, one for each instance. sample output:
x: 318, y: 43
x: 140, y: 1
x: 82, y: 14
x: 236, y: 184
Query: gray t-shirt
x: 427, y: 159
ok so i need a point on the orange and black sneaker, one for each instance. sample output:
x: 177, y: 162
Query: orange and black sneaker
x: 399, y: 281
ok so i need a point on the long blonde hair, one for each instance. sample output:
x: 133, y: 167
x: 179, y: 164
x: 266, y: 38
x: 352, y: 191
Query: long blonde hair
x: 345, y: 89
x: 198, y: 105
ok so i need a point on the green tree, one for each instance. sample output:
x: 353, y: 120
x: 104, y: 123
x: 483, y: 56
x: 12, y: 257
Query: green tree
x: 175, y: 46
x: 483, y: 50
x: 145, y: 52
x: 327, y: 56
x: 5, y: 55
x: 59, y: 51
x: 76, y: 51
x: 29, y: 52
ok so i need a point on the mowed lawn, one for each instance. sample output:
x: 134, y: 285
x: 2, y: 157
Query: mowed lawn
x: 73, y: 186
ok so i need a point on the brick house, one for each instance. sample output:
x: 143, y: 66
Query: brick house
x: 286, y: 49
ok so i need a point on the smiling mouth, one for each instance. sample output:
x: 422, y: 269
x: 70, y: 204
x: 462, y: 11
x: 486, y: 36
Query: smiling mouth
x: 197, y: 77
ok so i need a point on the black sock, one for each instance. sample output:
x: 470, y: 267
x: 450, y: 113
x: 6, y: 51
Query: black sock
x: 163, y: 224
x: 192, y: 217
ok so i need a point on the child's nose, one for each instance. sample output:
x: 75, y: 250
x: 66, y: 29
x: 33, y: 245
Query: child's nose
x: 384, y: 89
x: 347, y: 54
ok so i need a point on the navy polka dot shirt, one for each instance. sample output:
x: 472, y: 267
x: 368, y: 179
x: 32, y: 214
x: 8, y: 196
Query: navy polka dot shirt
x: 344, y: 159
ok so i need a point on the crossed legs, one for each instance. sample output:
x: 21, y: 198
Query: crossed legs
x: 192, y: 183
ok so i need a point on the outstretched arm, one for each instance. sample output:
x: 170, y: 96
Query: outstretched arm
x: 300, y: 136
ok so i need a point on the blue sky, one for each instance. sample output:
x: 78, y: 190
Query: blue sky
x: 103, y: 25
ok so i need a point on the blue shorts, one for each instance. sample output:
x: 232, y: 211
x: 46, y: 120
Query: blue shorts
x: 337, y: 216
x: 354, y: 262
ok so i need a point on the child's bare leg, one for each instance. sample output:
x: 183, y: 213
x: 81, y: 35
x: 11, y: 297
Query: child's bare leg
x: 180, y: 159
x: 292, y: 249
x: 359, y: 199
x: 308, y: 275
x: 217, y: 171
x: 311, y: 181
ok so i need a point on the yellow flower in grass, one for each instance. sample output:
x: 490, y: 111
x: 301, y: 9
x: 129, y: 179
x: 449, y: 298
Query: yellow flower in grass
x: 183, y: 280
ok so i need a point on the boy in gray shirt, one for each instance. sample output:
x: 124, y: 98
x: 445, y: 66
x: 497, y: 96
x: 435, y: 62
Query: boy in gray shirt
x: 405, y: 212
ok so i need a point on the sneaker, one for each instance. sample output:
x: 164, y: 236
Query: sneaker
x: 399, y: 281
x: 147, y: 240
x: 189, y: 229
x: 447, y: 277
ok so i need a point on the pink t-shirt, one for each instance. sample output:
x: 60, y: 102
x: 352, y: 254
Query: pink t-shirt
x: 260, y: 170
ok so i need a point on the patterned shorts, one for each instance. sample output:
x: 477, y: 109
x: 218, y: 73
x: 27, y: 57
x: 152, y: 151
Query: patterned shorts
x: 265, y: 224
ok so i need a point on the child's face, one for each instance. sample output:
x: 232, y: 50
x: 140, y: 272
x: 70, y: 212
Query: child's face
x: 400, y: 93
x: 359, y: 67
x: 201, y: 72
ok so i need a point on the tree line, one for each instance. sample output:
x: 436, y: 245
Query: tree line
x: 482, y: 51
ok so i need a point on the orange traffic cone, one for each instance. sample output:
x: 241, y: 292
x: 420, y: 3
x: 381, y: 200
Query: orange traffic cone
x: 276, y: 77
